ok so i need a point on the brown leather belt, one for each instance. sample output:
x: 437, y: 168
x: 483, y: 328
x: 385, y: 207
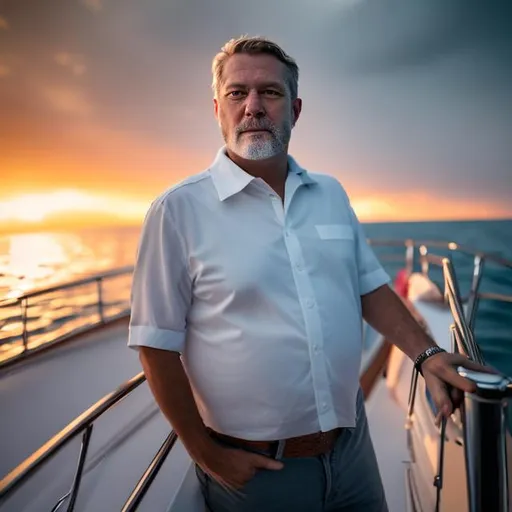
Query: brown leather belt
x: 310, y: 445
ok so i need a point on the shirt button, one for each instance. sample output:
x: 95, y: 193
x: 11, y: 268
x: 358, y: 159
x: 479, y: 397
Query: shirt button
x: 325, y: 406
x: 316, y: 349
x: 299, y: 266
x: 310, y: 303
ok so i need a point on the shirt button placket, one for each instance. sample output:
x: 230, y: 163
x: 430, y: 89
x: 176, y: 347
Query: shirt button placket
x: 313, y: 329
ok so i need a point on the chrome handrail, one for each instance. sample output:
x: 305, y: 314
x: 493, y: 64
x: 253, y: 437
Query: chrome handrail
x: 23, y: 301
x: 426, y: 258
x: 81, y: 424
x: 451, y: 246
x: 468, y: 345
x: 483, y: 412
x: 410, y: 245
x: 84, y: 423
x: 149, y: 475
x: 69, y: 284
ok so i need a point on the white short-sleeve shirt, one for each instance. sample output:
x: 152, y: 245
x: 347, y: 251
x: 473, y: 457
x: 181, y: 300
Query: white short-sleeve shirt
x: 263, y: 300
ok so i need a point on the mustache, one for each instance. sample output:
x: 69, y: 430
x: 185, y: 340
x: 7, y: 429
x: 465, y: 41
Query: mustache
x: 251, y: 125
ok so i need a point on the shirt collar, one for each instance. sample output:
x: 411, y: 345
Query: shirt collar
x: 230, y: 179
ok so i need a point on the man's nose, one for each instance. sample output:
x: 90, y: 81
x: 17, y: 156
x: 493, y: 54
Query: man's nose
x: 254, y: 105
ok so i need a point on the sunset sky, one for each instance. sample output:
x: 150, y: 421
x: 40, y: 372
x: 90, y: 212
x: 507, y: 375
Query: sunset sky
x: 105, y: 103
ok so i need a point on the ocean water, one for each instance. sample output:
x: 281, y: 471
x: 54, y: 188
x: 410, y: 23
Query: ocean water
x: 493, y: 325
x: 29, y: 261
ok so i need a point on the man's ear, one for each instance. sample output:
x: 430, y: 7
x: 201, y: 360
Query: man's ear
x: 296, y: 110
x: 216, y: 108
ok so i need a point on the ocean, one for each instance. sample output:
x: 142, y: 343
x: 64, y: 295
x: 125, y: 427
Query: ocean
x: 35, y: 260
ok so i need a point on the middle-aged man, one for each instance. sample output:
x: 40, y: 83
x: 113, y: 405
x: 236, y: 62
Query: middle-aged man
x: 251, y: 282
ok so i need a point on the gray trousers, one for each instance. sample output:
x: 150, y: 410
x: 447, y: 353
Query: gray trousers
x: 347, y: 479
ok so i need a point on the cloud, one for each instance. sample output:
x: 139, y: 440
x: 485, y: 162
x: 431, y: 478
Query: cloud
x: 93, y: 5
x: 4, y: 70
x: 74, y: 62
x: 67, y: 100
x: 396, y: 35
x: 397, y: 95
x: 4, y: 25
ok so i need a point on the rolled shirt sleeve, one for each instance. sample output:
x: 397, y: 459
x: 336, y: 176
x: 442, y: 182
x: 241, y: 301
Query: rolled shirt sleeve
x: 161, y: 286
x: 371, y: 273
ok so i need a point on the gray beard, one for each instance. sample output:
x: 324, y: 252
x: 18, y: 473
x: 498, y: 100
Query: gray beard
x: 259, y: 147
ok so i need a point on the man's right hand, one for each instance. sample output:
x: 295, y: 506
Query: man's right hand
x: 233, y: 468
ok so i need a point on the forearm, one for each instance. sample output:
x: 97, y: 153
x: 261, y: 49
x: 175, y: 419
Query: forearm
x: 387, y: 314
x: 171, y: 388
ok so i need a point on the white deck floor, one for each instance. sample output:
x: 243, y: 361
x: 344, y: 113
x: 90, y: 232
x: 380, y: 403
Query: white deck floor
x: 44, y: 395
x: 41, y: 396
x: 386, y: 419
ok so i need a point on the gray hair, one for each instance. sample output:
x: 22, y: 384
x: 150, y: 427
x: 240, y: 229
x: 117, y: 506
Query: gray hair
x: 254, y: 46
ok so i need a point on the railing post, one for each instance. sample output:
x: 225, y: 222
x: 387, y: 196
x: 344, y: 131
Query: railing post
x: 80, y: 468
x: 473, y: 292
x: 424, y: 259
x: 100, y: 299
x: 409, y: 256
x: 24, y: 314
x: 484, y: 419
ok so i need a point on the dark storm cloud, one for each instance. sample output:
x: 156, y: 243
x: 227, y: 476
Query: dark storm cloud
x: 397, y: 94
x: 390, y: 35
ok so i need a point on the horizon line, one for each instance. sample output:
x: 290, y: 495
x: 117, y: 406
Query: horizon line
x: 80, y: 227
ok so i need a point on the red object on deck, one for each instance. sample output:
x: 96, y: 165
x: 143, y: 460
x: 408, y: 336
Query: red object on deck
x: 402, y: 283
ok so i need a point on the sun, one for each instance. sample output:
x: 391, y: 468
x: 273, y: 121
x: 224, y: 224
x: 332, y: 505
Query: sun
x: 36, y: 208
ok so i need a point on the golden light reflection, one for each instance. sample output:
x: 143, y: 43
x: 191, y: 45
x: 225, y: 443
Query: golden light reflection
x: 418, y: 206
x: 32, y: 258
x: 73, y: 208
x: 44, y: 207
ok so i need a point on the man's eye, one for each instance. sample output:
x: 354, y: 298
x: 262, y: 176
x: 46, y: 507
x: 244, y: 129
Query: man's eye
x: 235, y: 94
x: 271, y: 92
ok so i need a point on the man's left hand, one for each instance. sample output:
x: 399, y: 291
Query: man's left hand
x: 445, y: 384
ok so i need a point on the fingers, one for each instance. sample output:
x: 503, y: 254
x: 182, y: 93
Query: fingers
x: 445, y: 384
x: 237, y: 478
x: 451, y: 377
x: 262, y: 462
x: 441, y: 397
x: 443, y: 366
x: 457, y: 397
x: 464, y: 383
x: 471, y: 365
x: 246, y: 468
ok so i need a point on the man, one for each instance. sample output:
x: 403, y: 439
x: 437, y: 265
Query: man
x: 250, y: 286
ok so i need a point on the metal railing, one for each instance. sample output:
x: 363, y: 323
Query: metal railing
x: 466, y: 343
x: 424, y: 255
x: 416, y: 252
x: 24, y: 303
x: 483, y: 413
x: 83, y: 424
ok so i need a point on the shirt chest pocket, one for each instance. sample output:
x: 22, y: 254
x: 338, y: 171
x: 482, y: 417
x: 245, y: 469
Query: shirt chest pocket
x: 335, y: 248
x: 335, y: 231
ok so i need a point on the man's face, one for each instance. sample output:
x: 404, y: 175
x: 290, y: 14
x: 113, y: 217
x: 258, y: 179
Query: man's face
x: 254, y: 108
